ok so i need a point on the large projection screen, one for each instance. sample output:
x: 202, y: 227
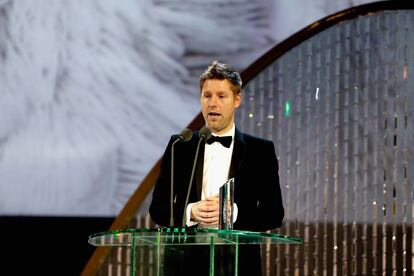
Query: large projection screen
x: 90, y: 91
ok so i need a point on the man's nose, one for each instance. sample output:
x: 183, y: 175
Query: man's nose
x: 213, y: 101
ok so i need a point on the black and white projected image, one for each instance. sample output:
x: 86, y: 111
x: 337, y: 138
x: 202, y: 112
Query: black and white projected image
x: 90, y: 91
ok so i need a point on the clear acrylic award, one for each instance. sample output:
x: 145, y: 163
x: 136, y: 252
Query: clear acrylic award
x: 226, y: 205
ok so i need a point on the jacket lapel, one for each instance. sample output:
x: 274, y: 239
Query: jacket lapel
x: 238, y: 154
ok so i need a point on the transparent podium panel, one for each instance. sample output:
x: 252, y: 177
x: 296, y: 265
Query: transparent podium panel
x: 178, y: 251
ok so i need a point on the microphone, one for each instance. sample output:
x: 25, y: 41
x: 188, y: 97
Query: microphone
x: 205, y: 134
x: 185, y: 136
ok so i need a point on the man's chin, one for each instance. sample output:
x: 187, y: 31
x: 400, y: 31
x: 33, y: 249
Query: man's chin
x: 212, y: 127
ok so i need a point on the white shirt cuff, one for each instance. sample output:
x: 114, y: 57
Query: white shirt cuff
x: 189, y: 222
x: 235, y: 212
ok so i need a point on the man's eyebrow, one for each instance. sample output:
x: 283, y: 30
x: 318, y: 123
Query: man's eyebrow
x: 218, y: 92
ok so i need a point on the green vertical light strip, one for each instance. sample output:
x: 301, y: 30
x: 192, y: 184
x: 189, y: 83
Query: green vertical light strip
x: 158, y: 253
x: 236, y: 257
x: 133, y: 256
x: 287, y: 108
x: 212, y: 248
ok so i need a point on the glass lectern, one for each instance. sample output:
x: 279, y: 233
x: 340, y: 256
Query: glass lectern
x: 150, y: 246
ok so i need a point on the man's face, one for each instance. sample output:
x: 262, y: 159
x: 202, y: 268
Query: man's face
x: 218, y: 104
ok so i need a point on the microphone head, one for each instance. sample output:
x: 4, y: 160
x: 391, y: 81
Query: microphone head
x: 205, y: 133
x: 186, y: 135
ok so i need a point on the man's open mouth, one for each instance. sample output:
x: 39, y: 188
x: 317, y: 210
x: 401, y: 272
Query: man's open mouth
x: 213, y: 114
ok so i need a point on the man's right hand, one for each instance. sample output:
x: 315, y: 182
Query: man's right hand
x: 206, y: 211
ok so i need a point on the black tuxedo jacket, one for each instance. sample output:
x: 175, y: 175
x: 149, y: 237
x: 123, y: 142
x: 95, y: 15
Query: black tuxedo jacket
x: 257, y: 193
x: 254, y: 167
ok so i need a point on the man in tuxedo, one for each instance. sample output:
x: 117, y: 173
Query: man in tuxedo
x: 250, y: 160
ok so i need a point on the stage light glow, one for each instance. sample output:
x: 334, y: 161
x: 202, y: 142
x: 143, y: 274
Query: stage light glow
x: 287, y: 108
x: 405, y: 72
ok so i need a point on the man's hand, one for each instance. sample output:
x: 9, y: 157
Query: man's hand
x: 206, y: 211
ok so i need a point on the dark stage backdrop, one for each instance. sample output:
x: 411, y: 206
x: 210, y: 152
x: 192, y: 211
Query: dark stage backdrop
x: 340, y: 108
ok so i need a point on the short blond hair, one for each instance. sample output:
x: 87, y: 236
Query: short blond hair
x: 221, y: 71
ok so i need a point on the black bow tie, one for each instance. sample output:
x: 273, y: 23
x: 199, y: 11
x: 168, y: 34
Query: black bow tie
x: 224, y: 140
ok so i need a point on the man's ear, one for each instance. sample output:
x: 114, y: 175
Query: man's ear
x: 237, y: 100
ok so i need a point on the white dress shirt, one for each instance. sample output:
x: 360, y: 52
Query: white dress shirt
x: 217, y: 160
